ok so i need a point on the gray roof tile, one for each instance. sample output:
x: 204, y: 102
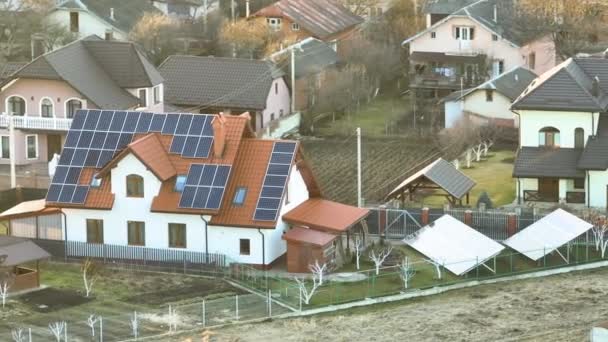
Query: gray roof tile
x: 595, y: 154
x: 510, y: 84
x: 547, y: 162
x: 237, y: 83
x: 445, y: 6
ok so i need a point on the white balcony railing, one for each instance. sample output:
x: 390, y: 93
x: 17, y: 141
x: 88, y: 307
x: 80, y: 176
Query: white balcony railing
x: 36, y: 123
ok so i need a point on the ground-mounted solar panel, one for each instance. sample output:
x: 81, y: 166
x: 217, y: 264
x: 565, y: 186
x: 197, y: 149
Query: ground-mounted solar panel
x: 205, y: 186
x: 96, y: 136
x: 275, y: 181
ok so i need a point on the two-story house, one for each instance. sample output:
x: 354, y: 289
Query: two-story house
x: 295, y: 20
x: 229, y: 85
x: 181, y: 182
x: 563, y: 148
x: 110, y: 19
x: 465, y: 48
x: 41, y: 98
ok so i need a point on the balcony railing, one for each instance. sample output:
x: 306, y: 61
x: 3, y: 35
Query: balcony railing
x: 535, y: 196
x: 433, y: 79
x: 35, y: 122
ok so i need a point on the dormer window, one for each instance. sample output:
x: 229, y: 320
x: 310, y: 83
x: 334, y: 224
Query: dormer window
x: 135, y: 186
x: 180, y: 183
x: 239, y: 196
x: 548, y: 137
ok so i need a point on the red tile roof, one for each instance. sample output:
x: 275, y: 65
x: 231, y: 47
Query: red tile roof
x: 320, y: 214
x: 309, y: 236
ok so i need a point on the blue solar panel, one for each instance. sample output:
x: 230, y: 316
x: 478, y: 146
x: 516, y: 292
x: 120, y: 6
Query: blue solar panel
x: 157, y: 122
x: 183, y: 125
x: 111, y: 141
x: 221, y: 176
x: 53, y: 194
x: 177, y: 144
x: 187, y: 197
x: 209, y: 182
x: 190, y: 147
x: 284, y: 147
x: 104, y: 158
x: 272, y: 192
x: 73, y: 175
x: 79, y: 157
x: 208, y: 129
x: 71, y: 140
x: 194, y: 175
x: 265, y: 215
x: 91, y: 121
x: 118, y: 121
x: 80, y: 194
x: 85, y: 139
x: 269, y: 203
x: 279, y: 169
x: 275, y: 181
x: 208, y: 174
x: 204, y: 147
x: 198, y: 122
x: 98, y: 139
x: 281, y: 158
x: 215, y: 198
x: 124, y: 140
x: 170, y: 124
x: 131, y: 122
x: 143, y: 126
x: 79, y: 119
x: 105, y: 119
x: 67, y: 192
x: 201, y: 197
x: 60, y: 174
x: 66, y: 156
x: 92, y: 158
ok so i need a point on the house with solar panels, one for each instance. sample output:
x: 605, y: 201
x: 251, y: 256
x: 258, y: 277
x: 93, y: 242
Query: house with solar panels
x: 183, y: 182
x: 41, y: 98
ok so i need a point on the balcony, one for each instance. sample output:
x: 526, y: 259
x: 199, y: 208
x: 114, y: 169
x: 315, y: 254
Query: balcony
x: 447, y: 80
x: 572, y: 197
x: 36, y: 123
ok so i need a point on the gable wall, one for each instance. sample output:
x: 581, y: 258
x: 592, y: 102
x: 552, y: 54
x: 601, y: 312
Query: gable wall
x: 566, y: 122
x: 89, y: 24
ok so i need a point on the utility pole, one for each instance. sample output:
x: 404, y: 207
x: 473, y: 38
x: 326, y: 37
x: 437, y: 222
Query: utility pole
x: 359, y: 195
x: 205, y: 9
x: 293, y: 80
x: 11, y: 150
x: 232, y: 9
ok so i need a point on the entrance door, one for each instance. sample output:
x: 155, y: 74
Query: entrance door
x: 548, y: 189
x: 53, y: 143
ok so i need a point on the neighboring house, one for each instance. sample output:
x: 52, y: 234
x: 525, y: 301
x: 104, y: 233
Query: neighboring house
x: 313, y: 60
x: 181, y: 182
x: 110, y: 19
x: 563, y: 149
x: 325, y: 20
x: 471, y: 45
x: 184, y: 9
x: 490, y: 102
x: 229, y: 85
x: 42, y: 97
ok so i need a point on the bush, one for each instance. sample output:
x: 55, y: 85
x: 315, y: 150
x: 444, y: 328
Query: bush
x: 485, y: 199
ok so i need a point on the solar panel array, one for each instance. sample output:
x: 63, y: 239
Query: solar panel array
x: 275, y: 181
x: 95, y: 137
x: 205, y: 186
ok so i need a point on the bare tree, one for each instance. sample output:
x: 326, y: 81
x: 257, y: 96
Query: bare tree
x: 358, y: 245
x: 90, y: 274
x: 18, y: 335
x: 437, y: 266
x: 172, y: 318
x: 360, y: 7
x: 478, y: 150
x: 406, y: 271
x: 468, y: 157
x: 57, y: 329
x: 91, y: 321
x: 316, y: 268
x: 5, y: 285
x: 600, y: 232
x: 248, y: 38
x: 380, y: 257
x: 317, y: 276
x: 134, y: 325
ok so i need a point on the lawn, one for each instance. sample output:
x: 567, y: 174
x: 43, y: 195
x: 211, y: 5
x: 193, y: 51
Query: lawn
x: 383, y: 116
x: 492, y: 174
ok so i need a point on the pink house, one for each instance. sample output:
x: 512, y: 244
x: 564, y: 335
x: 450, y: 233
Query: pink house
x: 471, y: 45
x: 230, y: 85
x: 41, y: 98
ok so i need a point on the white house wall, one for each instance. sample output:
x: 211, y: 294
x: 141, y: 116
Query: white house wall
x: 453, y: 113
x: 88, y: 24
x: 498, y: 108
x: 278, y: 100
x: 566, y: 122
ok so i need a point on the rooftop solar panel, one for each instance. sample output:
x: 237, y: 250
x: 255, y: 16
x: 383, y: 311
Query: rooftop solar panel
x: 205, y: 186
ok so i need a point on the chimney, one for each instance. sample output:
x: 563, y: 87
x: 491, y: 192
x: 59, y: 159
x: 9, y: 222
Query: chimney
x: 112, y: 13
x: 495, y: 13
x: 219, y: 135
x: 595, y: 91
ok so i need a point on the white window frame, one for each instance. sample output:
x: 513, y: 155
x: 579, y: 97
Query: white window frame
x: 295, y: 27
x: 53, y: 113
x: 2, y: 147
x: 147, y: 97
x: 433, y: 34
x: 6, y: 104
x: 65, y: 105
x: 277, y: 23
x: 35, y: 144
x: 462, y: 29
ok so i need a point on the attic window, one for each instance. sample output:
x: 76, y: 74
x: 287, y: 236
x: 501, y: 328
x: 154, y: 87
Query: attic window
x: 239, y: 196
x: 295, y: 27
x: 433, y: 35
x: 180, y: 183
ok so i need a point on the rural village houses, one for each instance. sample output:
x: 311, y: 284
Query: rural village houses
x: 215, y: 84
x: 193, y: 182
x: 42, y: 97
x: 467, y: 47
x: 564, y: 135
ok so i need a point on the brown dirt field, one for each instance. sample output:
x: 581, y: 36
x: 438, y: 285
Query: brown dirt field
x: 556, y: 308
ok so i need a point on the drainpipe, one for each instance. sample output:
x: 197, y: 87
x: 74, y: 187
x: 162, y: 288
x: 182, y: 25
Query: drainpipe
x: 518, y: 191
x: 588, y: 190
x: 263, y: 248
x: 65, y: 236
x: 206, y: 239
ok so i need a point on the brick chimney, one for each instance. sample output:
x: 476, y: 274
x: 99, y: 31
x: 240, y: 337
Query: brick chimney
x: 219, y: 135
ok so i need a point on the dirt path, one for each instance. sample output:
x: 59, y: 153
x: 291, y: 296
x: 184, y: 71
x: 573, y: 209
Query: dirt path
x: 557, y: 308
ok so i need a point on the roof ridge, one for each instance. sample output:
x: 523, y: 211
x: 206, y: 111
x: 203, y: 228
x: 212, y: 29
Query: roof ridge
x: 575, y: 79
x: 556, y: 70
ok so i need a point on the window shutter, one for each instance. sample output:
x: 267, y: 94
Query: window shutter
x: 472, y: 33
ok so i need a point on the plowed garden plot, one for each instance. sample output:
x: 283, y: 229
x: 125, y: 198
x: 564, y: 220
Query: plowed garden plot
x: 384, y: 161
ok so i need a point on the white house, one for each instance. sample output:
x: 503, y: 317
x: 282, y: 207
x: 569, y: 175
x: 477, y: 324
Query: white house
x: 490, y: 102
x: 563, y: 153
x: 111, y: 19
x: 183, y: 182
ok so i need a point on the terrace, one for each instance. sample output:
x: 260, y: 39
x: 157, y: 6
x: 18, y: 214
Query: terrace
x: 35, y: 122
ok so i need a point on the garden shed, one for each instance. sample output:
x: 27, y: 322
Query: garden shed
x: 305, y: 246
x: 16, y: 252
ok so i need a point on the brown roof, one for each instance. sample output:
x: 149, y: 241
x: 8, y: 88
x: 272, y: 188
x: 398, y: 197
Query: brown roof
x: 150, y: 151
x: 309, y: 236
x: 19, y: 251
x: 317, y: 213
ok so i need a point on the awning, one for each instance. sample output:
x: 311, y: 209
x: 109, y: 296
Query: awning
x: 16, y: 251
x: 444, y: 175
x: 440, y: 57
x: 320, y: 214
x: 309, y: 236
x: 29, y: 208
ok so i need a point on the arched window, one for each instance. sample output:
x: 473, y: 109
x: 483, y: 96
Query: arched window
x: 46, y: 108
x: 548, y: 136
x: 579, y: 138
x: 71, y: 107
x: 16, y: 105
x: 135, y: 186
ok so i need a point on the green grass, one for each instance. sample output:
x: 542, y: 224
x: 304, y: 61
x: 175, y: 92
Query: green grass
x: 378, y: 118
x: 492, y: 175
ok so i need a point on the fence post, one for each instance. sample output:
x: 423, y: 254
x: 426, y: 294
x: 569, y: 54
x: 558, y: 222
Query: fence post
x: 544, y: 257
x: 204, y: 314
x: 477, y: 268
x: 424, y: 216
x: 29, y: 334
x: 269, y: 303
x: 468, y: 217
x: 184, y: 260
x: 237, y: 307
x: 100, y: 329
x: 65, y: 332
x: 511, y: 224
